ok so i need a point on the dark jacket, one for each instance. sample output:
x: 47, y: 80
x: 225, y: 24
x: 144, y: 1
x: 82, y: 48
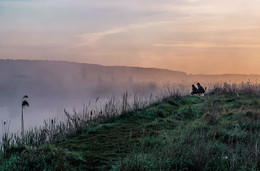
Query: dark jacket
x: 201, y: 90
x: 194, y: 90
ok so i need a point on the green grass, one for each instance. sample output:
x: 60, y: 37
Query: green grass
x: 214, y: 132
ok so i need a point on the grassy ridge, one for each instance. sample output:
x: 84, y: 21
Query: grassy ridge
x: 217, y: 132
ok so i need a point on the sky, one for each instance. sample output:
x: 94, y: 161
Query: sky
x: 194, y: 36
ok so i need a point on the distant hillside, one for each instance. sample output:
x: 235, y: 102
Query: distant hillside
x: 37, y: 69
x: 76, y: 78
x: 69, y: 79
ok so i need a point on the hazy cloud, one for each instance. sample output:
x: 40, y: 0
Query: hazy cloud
x: 89, y: 38
x: 206, y: 45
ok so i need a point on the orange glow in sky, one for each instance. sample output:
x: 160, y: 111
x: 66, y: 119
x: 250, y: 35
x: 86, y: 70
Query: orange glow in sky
x: 194, y: 36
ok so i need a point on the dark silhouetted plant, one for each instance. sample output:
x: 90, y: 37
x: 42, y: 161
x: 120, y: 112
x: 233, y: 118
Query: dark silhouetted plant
x: 24, y: 104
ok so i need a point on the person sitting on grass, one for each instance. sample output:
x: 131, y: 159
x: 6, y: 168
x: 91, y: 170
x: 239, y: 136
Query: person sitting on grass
x: 194, y: 90
x: 201, y: 90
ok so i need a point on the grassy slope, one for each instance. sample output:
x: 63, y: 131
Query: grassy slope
x: 215, y: 132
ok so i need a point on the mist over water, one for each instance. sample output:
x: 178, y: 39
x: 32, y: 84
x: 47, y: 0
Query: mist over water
x: 45, y: 108
x: 39, y: 110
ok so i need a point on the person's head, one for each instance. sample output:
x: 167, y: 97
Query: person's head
x: 198, y: 84
x: 193, y: 85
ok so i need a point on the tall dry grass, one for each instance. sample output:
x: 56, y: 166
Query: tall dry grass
x: 75, y: 123
x: 248, y: 88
